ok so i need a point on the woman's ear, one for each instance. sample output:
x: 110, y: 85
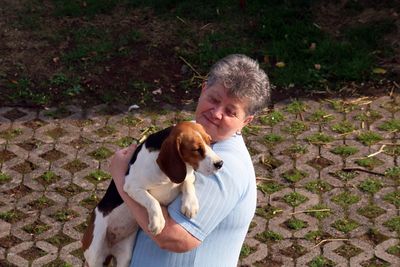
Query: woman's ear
x: 248, y: 119
x: 203, y: 86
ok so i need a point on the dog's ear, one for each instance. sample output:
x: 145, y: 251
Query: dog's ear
x: 170, y: 161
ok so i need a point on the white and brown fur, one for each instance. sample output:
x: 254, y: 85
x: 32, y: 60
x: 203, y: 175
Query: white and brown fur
x: 160, y: 168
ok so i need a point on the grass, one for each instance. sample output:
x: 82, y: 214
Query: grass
x: 294, y: 175
x: 98, y: 176
x: 391, y: 126
x: 369, y: 138
x: 295, y: 151
x: 345, y: 225
x: 246, y: 250
x: 272, y: 138
x: 393, y: 198
x: 295, y: 128
x: 369, y: 163
x: 318, y: 186
x: 269, y: 187
x: 371, y: 211
x: 371, y: 185
x: 393, y: 224
x: 272, y: 118
x: 345, y: 199
x: 320, y: 116
x: 296, y: 107
x: 4, y: 178
x: 344, y: 127
x: 393, y: 173
x: 268, y: 236
x: 319, y: 211
x: 295, y: 224
x: 294, y: 199
x: 344, y: 150
x: 321, y: 261
x: 319, y: 139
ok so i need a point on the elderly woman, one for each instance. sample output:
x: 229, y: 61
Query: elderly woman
x: 235, y: 90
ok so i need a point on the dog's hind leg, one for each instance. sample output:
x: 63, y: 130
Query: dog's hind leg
x: 122, y: 250
x: 97, y: 251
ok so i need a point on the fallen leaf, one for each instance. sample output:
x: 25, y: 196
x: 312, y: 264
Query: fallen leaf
x: 280, y: 64
x: 379, y: 71
x: 317, y: 66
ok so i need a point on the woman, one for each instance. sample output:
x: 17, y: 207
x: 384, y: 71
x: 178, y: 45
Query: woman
x: 235, y: 90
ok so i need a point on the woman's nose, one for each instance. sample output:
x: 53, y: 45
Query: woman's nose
x: 217, y: 113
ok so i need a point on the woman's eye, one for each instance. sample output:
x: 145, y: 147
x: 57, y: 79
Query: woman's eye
x: 231, y: 113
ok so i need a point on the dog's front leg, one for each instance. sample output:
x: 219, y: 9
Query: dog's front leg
x: 190, y: 204
x: 144, y: 198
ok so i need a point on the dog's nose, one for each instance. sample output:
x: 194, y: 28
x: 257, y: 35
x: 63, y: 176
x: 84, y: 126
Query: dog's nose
x: 218, y: 164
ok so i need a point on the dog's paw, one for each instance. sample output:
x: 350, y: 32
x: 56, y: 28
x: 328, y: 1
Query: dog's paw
x: 156, y: 224
x: 190, y: 206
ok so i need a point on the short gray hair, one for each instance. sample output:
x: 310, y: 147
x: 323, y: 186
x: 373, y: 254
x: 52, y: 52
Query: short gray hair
x: 244, y: 79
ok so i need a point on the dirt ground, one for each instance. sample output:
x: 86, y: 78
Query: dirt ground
x: 27, y: 49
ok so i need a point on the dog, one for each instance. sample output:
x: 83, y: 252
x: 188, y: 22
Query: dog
x: 160, y: 168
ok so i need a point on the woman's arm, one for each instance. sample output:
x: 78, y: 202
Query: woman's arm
x: 173, y: 237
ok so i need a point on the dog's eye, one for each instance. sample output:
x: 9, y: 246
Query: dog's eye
x: 198, y: 150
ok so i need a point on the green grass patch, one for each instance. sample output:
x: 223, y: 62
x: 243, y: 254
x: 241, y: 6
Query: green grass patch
x: 314, y: 235
x: 345, y: 199
x: 267, y: 211
x: 343, y: 106
x: 294, y: 175
x: 319, y: 211
x: 321, y: 261
x: 272, y: 118
x: 246, y: 250
x: 125, y: 141
x: 393, y: 224
x: 272, y: 139
x: 392, y: 150
x: 65, y: 215
x: 369, y: 138
x: 320, y: 116
x: 371, y: 211
x: 368, y: 116
x: 369, y: 163
x: 295, y: 151
x: 318, y: 186
x: 344, y: 150
x: 343, y: 127
x: 270, y: 163
x: 294, y: 199
x: 394, y: 250
x: 319, y: 139
x: 345, y: 225
x: 345, y: 176
x: 269, y: 187
x: 101, y: 153
x: 4, y: 178
x: 393, y: 173
x: 370, y: 185
x: 295, y: 224
x: 391, y: 125
x: 268, y: 236
x: 393, y: 198
x: 296, y: 107
x: 295, y: 128
x: 98, y: 176
x: 10, y: 133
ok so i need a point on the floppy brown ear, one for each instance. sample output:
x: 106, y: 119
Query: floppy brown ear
x: 170, y: 161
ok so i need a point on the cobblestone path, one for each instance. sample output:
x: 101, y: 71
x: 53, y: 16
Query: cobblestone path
x: 328, y: 179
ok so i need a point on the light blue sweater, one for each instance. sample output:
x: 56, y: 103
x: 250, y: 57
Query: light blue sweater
x: 227, y: 205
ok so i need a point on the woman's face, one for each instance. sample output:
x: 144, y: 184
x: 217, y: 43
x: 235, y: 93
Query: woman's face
x: 220, y: 115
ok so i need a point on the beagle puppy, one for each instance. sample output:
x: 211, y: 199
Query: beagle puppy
x: 160, y: 168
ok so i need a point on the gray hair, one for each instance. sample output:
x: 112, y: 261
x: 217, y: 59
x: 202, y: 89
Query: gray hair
x: 244, y: 80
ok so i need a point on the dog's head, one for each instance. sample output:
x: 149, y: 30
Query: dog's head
x: 187, y: 144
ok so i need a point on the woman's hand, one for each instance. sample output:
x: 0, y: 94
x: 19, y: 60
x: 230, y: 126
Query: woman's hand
x: 119, y: 165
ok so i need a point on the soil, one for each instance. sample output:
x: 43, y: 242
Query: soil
x: 26, y: 52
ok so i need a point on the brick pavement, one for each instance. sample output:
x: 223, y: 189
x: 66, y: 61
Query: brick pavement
x: 322, y: 201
